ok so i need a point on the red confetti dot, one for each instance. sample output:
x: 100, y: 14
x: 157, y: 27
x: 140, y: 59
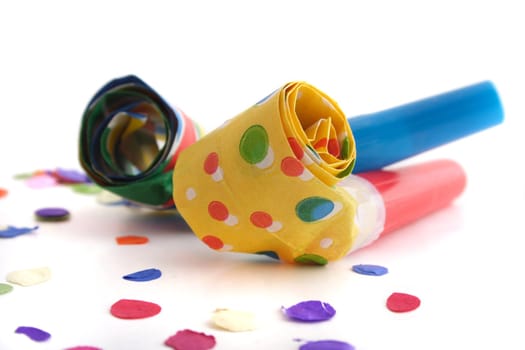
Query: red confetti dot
x: 296, y: 148
x: 134, y: 309
x: 261, y: 219
x: 128, y: 240
x: 333, y: 147
x: 3, y: 192
x: 321, y: 143
x: 190, y: 340
x: 218, y: 211
x: 402, y: 302
x: 213, y: 242
x: 292, y: 167
x: 211, y: 163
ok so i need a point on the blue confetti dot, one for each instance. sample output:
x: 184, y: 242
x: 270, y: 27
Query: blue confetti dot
x: 326, y: 345
x: 370, y: 270
x: 144, y: 275
x: 12, y: 231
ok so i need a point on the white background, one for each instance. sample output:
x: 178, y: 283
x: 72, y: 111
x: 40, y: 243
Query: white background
x: 213, y: 59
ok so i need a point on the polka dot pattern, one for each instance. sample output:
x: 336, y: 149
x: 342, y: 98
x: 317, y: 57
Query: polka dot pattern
x: 276, y: 198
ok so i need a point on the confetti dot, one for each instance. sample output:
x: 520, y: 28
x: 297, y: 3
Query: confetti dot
x: 83, y: 347
x: 134, y: 309
x: 52, y: 214
x: 11, y: 231
x: 213, y: 242
x: 316, y: 208
x: 326, y: 243
x: 234, y: 320
x: 144, y: 275
x: 190, y: 193
x: 84, y: 188
x: 33, y: 333
x: 402, y: 302
x: 5, y: 288
x: 3, y: 192
x: 270, y: 254
x: 326, y: 345
x: 370, y: 270
x: 310, y: 311
x: 41, y: 181
x: 292, y: 167
x: 311, y: 259
x: 190, y: 340
x: 130, y: 240
x: 70, y: 176
x: 218, y: 211
x: 261, y: 219
x: 254, y: 144
x: 29, y: 277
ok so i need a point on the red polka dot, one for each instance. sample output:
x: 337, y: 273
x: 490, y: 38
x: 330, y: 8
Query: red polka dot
x: 321, y: 143
x: 218, y: 210
x: 401, y: 302
x: 296, y: 148
x: 292, y: 167
x: 261, y: 219
x: 213, y: 242
x: 211, y: 163
x: 333, y: 147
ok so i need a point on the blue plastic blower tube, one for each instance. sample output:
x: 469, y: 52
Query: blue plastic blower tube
x: 392, y: 135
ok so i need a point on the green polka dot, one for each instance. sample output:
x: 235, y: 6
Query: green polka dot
x: 5, y: 288
x: 311, y: 259
x: 314, y: 208
x: 347, y: 171
x: 254, y: 144
x: 345, y: 148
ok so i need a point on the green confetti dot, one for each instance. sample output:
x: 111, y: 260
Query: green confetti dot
x: 311, y: 259
x: 5, y: 288
x: 254, y: 144
x: 86, y: 188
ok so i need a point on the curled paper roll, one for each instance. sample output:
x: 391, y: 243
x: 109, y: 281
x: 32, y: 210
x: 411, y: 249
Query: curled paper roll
x: 130, y: 139
x: 265, y: 181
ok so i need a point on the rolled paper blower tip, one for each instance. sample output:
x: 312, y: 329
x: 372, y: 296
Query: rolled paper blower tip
x: 389, y: 136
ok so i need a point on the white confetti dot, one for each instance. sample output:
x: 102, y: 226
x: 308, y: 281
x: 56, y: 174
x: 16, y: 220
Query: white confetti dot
x: 234, y: 320
x: 29, y: 277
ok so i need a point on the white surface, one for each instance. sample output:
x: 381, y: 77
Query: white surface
x: 214, y: 59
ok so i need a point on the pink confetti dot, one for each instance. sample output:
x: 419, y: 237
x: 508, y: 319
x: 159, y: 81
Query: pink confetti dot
x: 218, y: 211
x: 134, y: 309
x: 190, y: 340
x: 402, y: 302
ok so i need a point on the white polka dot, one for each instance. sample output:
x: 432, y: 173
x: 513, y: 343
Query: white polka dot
x: 217, y: 175
x: 275, y: 226
x: 267, y: 161
x: 326, y: 243
x: 190, y: 193
x: 231, y: 220
x: 226, y: 248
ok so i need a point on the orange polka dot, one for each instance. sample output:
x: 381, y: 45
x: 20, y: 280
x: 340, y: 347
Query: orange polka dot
x: 218, y: 210
x: 296, y: 148
x: 211, y: 163
x: 291, y: 166
x: 213, y: 242
x: 333, y: 147
x: 261, y: 219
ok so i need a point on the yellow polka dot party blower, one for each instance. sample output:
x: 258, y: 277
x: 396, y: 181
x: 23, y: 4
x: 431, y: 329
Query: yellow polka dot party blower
x: 276, y: 179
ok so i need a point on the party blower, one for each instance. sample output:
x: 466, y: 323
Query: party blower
x: 274, y: 180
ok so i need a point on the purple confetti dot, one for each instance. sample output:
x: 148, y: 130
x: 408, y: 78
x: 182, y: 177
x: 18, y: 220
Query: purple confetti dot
x: 12, y: 231
x: 326, y: 345
x: 144, y: 275
x: 33, y: 333
x: 310, y: 311
x: 370, y: 270
x: 52, y: 213
x: 72, y: 176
